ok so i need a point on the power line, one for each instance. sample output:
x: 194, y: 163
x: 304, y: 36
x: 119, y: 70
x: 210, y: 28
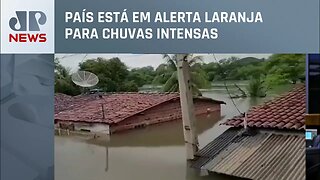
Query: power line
x: 228, y: 89
x: 214, y: 56
x: 84, y: 57
x: 67, y: 56
x: 231, y: 97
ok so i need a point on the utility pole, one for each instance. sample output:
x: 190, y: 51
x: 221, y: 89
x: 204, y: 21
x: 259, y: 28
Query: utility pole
x: 187, y: 107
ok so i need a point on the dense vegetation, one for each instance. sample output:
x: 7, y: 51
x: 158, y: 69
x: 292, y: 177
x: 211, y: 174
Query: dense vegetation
x: 114, y: 75
x: 167, y: 75
x: 63, y: 83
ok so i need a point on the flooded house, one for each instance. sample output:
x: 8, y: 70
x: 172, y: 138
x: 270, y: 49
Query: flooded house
x: 267, y: 143
x: 113, y: 112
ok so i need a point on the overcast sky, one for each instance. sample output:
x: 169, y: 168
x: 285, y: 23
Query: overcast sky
x: 139, y: 60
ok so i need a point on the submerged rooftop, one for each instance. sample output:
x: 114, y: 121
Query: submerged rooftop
x: 284, y: 112
x: 116, y: 106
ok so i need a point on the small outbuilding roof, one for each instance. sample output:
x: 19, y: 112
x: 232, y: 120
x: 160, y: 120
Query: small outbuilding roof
x: 109, y: 108
x: 265, y: 155
x: 284, y: 112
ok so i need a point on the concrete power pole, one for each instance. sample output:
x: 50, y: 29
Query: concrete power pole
x: 187, y: 107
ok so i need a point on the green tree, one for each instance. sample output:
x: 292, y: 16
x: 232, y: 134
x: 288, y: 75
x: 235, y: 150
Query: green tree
x: 63, y: 82
x: 112, y: 73
x: 162, y: 73
x: 211, y: 69
x: 256, y: 87
x: 249, y: 71
x: 129, y: 86
x: 142, y: 76
x: 285, y: 68
x: 234, y: 68
x: 197, y: 75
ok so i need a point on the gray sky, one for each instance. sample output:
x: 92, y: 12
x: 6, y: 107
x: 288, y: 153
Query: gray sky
x: 139, y: 60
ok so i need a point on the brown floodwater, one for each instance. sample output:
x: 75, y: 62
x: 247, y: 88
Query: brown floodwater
x: 153, y: 153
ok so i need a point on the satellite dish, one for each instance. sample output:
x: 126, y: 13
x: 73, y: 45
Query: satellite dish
x: 84, y: 79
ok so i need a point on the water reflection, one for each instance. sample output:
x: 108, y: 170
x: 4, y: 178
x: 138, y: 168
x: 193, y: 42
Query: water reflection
x: 107, y: 154
x: 164, y: 134
x: 154, y: 152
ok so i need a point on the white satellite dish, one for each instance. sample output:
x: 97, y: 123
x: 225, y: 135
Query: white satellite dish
x: 84, y: 79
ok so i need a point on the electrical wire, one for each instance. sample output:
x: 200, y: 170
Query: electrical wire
x: 231, y: 97
x: 84, y: 57
x: 228, y: 89
x: 214, y: 56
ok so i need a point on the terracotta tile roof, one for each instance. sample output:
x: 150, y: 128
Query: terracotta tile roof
x: 64, y: 102
x: 285, y: 112
x: 117, y: 106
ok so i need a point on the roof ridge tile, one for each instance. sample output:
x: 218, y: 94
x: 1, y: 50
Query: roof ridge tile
x: 283, y: 112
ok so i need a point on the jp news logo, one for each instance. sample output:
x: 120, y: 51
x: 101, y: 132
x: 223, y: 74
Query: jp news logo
x: 25, y: 21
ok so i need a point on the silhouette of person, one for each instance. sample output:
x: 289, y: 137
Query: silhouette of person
x: 316, y: 141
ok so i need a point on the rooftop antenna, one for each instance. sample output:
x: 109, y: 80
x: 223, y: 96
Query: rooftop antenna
x: 85, y: 79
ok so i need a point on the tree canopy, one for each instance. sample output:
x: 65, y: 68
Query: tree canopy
x: 63, y: 82
x: 168, y: 76
x: 112, y: 73
x: 115, y: 76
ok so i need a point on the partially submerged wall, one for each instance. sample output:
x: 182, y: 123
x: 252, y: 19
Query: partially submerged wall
x: 168, y: 111
x: 91, y: 127
x: 96, y: 128
x: 164, y: 112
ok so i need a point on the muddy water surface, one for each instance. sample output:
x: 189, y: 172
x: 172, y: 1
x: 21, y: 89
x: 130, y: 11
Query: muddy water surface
x: 152, y: 153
